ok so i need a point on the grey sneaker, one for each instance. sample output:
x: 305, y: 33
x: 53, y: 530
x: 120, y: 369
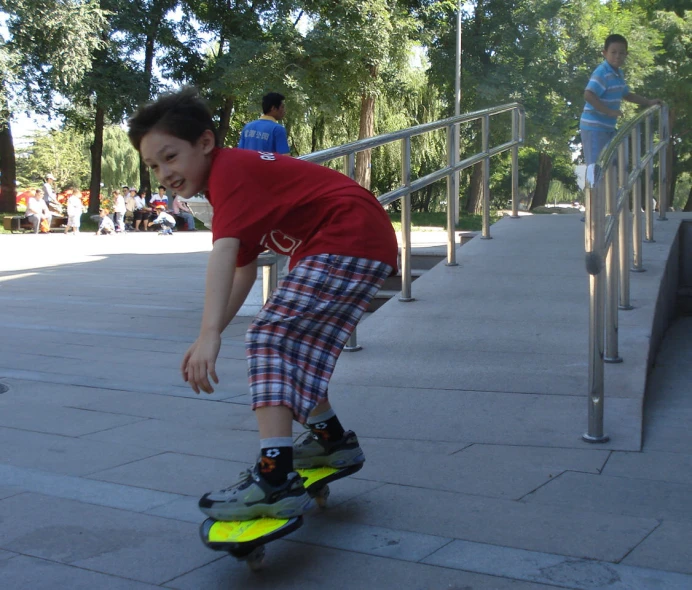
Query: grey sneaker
x: 312, y: 451
x: 252, y: 497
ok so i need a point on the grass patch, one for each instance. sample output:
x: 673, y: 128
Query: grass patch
x: 436, y: 221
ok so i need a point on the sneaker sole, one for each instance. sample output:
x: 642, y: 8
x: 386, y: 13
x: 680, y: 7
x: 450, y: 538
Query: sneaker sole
x: 338, y: 460
x: 294, y: 507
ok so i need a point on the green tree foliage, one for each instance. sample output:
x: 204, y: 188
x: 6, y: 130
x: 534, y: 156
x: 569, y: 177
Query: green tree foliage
x: 48, y: 50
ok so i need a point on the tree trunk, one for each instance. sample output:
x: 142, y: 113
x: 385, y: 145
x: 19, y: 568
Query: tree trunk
x: 96, y: 153
x: 688, y: 205
x: 366, y: 129
x: 149, y: 47
x: 8, y: 164
x: 545, y: 168
x: 474, y: 200
x: 225, y: 120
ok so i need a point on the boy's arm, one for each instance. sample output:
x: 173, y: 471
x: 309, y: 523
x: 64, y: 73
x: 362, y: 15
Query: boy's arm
x: 244, y: 279
x: 598, y: 104
x: 199, y: 361
x: 637, y: 99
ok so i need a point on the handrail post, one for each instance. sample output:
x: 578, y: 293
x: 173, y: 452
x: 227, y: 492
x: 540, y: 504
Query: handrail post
x: 406, y: 222
x: 662, y: 159
x: 515, y: 163
x: 452, y: 193
x: 624, y: 229
x: 595, y: 240
x: 636, y: 136
x: 350, y: 171
x: 649, y: 182
x: 485, y: 132
x: 612, y: 275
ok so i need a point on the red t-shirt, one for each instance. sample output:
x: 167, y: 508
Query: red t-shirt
x: 295, y: 208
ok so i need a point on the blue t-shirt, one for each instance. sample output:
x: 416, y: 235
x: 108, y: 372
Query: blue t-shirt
x: 609, y: 85
x: 264, y: 135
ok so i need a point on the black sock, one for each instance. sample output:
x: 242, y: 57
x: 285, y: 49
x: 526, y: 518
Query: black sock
x: 275, y: 463
x: 326, y: 426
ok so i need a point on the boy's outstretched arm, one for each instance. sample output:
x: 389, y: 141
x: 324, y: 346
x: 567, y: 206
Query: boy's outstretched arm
x: 199, y: 362
x: 642, y: 100
x: 598, y: 104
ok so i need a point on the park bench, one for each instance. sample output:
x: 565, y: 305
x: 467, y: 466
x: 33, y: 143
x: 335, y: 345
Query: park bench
x: 18, y: 223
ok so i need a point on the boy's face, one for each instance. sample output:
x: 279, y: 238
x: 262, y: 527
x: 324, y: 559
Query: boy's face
x: 616, y: 54
x: 177, y: 163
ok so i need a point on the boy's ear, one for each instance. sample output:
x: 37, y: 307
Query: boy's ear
x: 207, y: 141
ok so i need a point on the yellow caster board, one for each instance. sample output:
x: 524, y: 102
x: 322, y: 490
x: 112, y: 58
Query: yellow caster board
x: 245, y: 540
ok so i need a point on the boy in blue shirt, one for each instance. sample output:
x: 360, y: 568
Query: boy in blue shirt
x: 603, y: 95
x: 265, y: 134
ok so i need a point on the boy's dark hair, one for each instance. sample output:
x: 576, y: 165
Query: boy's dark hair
x: 615, y: 38
x: 161, y: 187
x: 273, y: 99
x: 183, y: 114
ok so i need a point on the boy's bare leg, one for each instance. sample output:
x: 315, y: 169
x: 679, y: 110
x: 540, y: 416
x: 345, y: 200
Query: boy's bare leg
x: 274, y: 421
x: 321, y: 408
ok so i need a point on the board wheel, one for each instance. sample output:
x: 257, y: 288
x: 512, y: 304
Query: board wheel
x: 322, y: 496
x: 255, y: 558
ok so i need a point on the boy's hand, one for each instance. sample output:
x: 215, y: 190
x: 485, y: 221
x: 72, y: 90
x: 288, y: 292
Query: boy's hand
x: 615, y: 113
x: 199, y: 363
x: 653, y: 101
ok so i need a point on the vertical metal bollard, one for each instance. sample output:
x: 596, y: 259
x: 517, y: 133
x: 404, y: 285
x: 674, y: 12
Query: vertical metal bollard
x: 515, y: 164
x: 270, y: 279
x: 624, y: 230
x: 406, y: 278
x: 452, y: 195
x: 649, y: 182
x: 485, y: 132
x: 595, y: 238
x: 637, y: 201
x: 612, y: 274
x: 662, y: 171
x: 350, y: 171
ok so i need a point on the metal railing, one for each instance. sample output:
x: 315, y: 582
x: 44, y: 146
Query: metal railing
x: 449, y: 170
x: 613, y: 239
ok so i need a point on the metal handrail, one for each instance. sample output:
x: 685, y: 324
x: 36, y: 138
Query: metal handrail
x: 450, y: 170
x: 610, y: 244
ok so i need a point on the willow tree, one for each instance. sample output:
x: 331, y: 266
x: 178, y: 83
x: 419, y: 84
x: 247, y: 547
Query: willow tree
x: 354, y: 42
x: 48, y: 50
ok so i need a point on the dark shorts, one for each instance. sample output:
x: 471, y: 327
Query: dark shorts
x: 295, y: 340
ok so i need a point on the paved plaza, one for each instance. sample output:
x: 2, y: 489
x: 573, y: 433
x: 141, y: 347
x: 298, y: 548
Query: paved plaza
x: 470, y: 403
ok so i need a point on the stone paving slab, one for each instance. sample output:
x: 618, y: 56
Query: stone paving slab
x: 651, y: 465
x: 618, y: 495
x: 84, y: 490
x: 116, y: 542
x: 554, y: 569
x: 515, y: 472
x: 294, y: 566
x: 478, y: 416
x: 62, y: 454
x: 57, y: 420
x: 535, y: 527
x: 241, y: 445
x: 667, y: 548
x: 39, y: 574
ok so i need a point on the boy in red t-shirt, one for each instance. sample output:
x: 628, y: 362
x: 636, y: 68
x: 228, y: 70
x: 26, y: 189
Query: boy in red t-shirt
x: 342, y: 247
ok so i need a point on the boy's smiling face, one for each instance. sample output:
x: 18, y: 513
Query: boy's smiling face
x: 616, y: 54
x: 178, y: 164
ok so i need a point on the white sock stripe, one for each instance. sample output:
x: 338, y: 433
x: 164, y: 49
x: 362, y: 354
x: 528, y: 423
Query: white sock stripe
x: 277, y: 441
x: 323, y: 417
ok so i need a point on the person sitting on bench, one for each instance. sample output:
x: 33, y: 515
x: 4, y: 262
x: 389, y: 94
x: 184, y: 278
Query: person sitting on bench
x: 36, y: 210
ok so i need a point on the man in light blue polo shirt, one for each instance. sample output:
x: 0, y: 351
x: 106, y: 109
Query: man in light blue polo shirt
x: 603, y: 95
x: 266, y: 134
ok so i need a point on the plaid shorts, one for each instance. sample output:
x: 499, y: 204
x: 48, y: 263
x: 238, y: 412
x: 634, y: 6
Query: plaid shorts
x: 294, y: 342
